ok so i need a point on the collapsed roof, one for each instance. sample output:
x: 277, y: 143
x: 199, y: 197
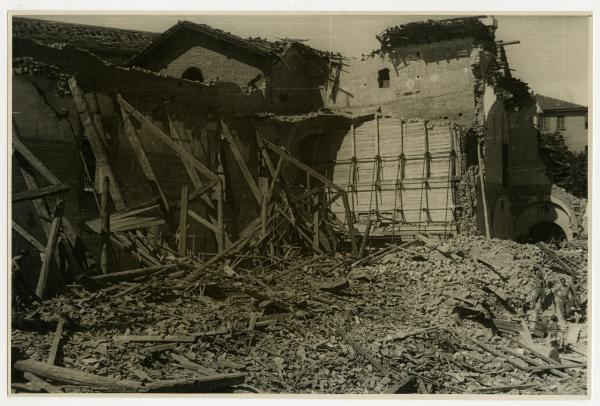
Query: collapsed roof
x: 112, y: 44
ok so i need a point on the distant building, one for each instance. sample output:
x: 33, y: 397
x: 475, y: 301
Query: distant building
x: 569, y: 119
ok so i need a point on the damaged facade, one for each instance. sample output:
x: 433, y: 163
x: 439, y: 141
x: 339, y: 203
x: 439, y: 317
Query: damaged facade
x: 397, y: 130
x: 198, y: 161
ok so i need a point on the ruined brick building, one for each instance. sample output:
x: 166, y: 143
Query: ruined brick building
x: 400, y: 134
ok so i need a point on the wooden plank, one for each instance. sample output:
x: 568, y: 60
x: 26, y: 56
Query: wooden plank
x: 189, y: 167
x: 532, y: 361
x: 350, y: 223
x: 33, y: 161
x: 158, y: 133
x: 294, y: 161
x: 186, y: 363
x: 554, y: 257
x: 183, y: 223
x: 56, y: 341
x: 184, y: 154
x: 140, y: 153
x: 42, y: 213
x: 25, y: 234
x: 264, y: 192
x: 105, y: 221
x: 41, y: 210
x: 241, y: 163
x: 363, y: 245
x: 220, y: 218
x: 132, y: 273
x: 497, y: 353
x: 49, y: 251
x: 39, y: 382
x: 159, y: 348
x: 203, y: 221
x: 551, y: 367
x: 274, y: 182
x: 155, y: 338
x: 198, y: 384
x: 92, y: 101
x: 73, y: 376
x: 316, y: 222
x: 98, y: 147
x: 39, y: 193
x: 483, y: 198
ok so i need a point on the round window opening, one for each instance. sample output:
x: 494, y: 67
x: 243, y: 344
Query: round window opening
x: 193, y: 74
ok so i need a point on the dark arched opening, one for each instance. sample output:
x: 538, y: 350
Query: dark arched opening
x: 546, y: 231
x: 193, y: 74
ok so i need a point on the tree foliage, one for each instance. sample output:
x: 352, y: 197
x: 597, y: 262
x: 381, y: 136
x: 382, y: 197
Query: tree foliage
x: 566, y: 168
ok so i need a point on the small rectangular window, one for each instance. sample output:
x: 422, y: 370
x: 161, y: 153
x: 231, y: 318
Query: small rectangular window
x: 383, y: 77
x: 560, y: 122
x: 542, y: 123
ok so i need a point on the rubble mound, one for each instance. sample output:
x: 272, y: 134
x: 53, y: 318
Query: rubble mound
x: 439, y: 317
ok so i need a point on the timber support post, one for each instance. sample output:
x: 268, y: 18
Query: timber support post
x: 105, y: 221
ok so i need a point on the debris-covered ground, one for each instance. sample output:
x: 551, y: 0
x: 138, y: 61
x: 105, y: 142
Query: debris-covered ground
x: 453, y: 317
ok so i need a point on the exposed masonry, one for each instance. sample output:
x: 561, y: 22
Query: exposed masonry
x: 210, y: 217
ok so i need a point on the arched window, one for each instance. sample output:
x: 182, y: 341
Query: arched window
x: 193, y: 74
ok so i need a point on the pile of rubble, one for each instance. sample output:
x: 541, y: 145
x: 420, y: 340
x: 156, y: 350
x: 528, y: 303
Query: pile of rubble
x: 460, y: 316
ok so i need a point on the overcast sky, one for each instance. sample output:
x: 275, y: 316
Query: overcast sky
x: 552, y: 56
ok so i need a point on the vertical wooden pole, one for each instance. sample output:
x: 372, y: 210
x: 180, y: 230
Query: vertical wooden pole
x: 220, y: 225
x: 105, y: 224
x: 316, y: 221
x: 483, y: 198
x: 183, y: 215
x: 50, y: 248
x: 363, y: 245
x: 350, y: 223
x: 263, y: 185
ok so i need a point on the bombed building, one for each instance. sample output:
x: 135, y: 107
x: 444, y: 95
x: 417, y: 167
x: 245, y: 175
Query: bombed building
x: 195, y: 152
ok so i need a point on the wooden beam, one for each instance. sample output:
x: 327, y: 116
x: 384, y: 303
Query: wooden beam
x: 350, y: 223
x: 73, y: 376
x: 25, y: 234
x: 296, y: 162
x: 41, y: 210
x: 142, y: 157
x: 49, y: 251
x: 33, y: 161
x: 183, y: 223
x: 158, y: 133
x: 203, y: 221
x: 365, y: 239
x: 132, y: 273
x: 189, y: 167
x: 105, y: 222
x: 56, y: 341
x: 220, y: 217
x: 483, y: 198
x: 98, y: 147
x: 39, y: 193
x: 241, y: 163
x: 263, y: 183
x: 316, y: 221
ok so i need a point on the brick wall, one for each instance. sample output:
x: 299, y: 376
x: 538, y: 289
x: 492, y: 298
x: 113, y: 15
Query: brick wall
x: 213, y: 65
x: 434, y: 81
